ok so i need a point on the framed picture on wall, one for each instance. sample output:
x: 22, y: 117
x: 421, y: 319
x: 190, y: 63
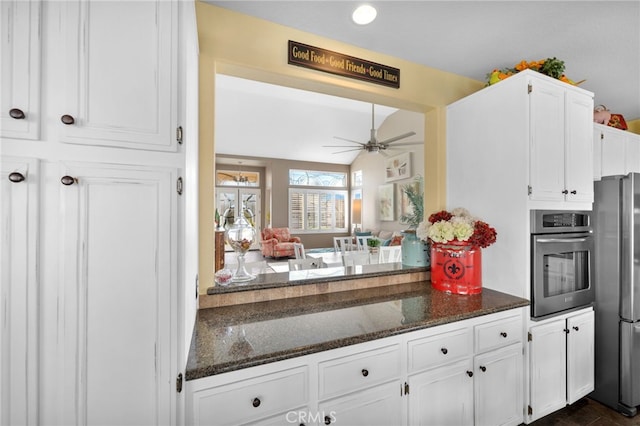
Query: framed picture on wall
x: 398, y: 167
x: 386, y: 202
x: 406, y: 208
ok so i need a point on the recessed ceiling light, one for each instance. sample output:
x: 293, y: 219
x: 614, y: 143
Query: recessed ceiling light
x: 364, y: 14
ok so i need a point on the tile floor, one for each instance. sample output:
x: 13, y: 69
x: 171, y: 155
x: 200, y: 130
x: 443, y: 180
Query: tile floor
x: 587, y: 412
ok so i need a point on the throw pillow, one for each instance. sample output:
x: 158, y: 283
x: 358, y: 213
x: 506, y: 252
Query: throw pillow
x: 396, y: 240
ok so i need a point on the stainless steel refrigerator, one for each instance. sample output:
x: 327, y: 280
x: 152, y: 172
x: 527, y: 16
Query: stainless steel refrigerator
x: 617, y: 285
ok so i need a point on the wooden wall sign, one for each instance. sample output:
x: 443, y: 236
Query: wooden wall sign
x: 325, y: 60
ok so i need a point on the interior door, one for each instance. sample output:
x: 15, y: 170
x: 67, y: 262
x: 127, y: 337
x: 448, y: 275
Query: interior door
x: 227, y: 200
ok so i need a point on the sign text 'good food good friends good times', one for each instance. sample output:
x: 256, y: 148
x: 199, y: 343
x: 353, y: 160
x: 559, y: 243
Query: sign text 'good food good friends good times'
x: 320, y: 59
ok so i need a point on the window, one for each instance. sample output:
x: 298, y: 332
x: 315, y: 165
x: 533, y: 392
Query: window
x: 317, y: 209
x: 237, y: 178
x: 317, y: 178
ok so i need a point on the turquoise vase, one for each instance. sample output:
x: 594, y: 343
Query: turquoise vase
x: 415, y: 252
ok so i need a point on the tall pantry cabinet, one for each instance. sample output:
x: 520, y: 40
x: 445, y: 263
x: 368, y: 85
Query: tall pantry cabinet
x: 93, y: 282
x: 523, y: 144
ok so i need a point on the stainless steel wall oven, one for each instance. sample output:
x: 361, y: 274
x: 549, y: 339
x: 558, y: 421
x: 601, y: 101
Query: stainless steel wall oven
x: 562, y: 246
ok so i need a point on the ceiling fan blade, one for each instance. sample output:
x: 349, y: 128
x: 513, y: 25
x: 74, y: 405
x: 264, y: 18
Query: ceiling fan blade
x: 347, y: 150
x: 405, y: 144
x: 341, y: 146
x: 349, y: 140
x: 396, y: 138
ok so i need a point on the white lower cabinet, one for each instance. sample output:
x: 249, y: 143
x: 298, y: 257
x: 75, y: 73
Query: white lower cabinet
x: 561, y: 362
x: 274, y: 393
x: 463, y: 373
x: 498, y: 387
x: 19, y: 295
x: 377, y: 406
x: 442, y: 396
x: 117, y: 227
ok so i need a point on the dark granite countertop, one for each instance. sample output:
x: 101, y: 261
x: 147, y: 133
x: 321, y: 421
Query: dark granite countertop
x: 315, y: 276
x: 235, y: 337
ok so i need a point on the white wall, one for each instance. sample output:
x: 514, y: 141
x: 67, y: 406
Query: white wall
x: 373, y: 167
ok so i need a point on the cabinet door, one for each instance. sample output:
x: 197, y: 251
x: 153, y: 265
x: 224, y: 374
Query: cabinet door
x: 498, y: 387
x: 613, y: 144
x: 579, y: 147
x: 597, y: 154
x: 125, y: 95
x: 19, y: 293
x: 546, y: 143
x: 118, y: 277
x: 442, y: 396
x: 580, y: 356
x: 20, y: 64
x: 381, y: 405
x: 548, y: 368
x: 632, y: 153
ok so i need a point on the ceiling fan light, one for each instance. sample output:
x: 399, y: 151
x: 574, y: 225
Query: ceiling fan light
x: 364, y: 14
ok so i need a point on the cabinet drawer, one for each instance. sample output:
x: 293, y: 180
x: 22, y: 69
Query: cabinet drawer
x: 248, y: 400
x: 499, y: 333
x: 346, y: 374
x: 439, y: 349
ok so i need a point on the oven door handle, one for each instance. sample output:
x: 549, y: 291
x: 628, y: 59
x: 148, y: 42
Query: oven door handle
x: 561, y: 240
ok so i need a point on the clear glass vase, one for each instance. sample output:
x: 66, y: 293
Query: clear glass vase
x: 240, y: 236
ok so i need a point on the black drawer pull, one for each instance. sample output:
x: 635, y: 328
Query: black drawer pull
x: 16, y: 113
x: 470, y: 373
x: 365, y: 372
x: 68, y: 180
x: 327, y: 420
x: 444, y: 350
x: 16, y: 177
x: 483, y: 368
x: 67, y: 119
x: 576, y: 328
x: 503, y: 334
x: 256, y: 402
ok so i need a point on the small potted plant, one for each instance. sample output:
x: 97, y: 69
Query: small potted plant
x: 373, y: 244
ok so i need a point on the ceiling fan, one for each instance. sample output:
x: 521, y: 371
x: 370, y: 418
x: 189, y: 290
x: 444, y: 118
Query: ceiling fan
x: 374, y: 146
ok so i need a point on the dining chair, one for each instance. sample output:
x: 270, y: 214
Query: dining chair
x: 298, y: 249
x: 356, y: 258
x: 342, y: 244
x: 389, y: 254
x: 362, y: 242
x: 308, y: 263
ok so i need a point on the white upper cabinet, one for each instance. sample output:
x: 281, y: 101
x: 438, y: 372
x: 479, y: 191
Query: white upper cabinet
x: 125, y: 96
x: 560, y: 143
x: 620, y: 150
x: 20, y: 62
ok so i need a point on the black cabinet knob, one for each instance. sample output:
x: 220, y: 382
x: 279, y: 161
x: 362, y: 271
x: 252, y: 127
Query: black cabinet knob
x: 565, y: 192
x: 68, y: 180
x: 469, y: 373
x: 256, y: 402
x: 327, y: 420
x: 503, y: 334
x: 16, y: 113
x: 574, y: 192
x: 365, y: 372
x: 576, y: 328
x: 444, y: 350
x: 16, y: 177
x: 67, y: 119
x: 483, y: 368
x: 566, y: 330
